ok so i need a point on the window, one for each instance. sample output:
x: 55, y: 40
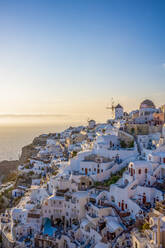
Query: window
x: 145, y: 170
x: 101, y: 170
x: 94, y: 169
x: 82, y: 169
x: 89, y: 169
x: 139, y: 171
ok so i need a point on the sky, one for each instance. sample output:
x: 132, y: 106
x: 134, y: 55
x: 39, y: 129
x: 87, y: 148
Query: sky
x: 69, y: 58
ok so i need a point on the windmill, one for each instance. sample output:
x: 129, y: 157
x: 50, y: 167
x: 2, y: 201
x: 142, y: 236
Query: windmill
x: 88, y: 119
x: 112, y: 108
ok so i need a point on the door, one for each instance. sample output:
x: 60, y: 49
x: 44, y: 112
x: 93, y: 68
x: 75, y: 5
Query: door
x: 122, y: 206
x: 144, y: 198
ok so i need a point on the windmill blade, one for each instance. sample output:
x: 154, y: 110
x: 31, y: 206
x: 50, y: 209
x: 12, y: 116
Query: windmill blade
x: 111, y: 107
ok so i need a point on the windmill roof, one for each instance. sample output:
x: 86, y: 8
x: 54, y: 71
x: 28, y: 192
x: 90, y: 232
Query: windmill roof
x: 118, y: 106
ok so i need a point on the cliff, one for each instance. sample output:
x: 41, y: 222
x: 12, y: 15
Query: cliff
x: 27, y: 152
x: 7, y: 168
x: 30, y: 150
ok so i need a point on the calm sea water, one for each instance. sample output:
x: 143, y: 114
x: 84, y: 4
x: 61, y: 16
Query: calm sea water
x: 14, y: 137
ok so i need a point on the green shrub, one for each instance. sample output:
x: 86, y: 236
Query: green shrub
x: 132, y: 130
x: 123, y: 144
x: 31, y: 173
x: 74, y: 154
x: 145, y: 226
x: 131, y: 144
x: 112, y: 180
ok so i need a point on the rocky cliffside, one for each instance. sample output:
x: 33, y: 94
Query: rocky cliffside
x: 41, y: 140
x: 6, y: 168
x: 27, y: 152
x: 30, y: 150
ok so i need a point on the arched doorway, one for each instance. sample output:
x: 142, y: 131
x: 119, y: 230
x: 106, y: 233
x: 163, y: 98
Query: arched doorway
x: 144, y: 198
x: 126, y: 182
x: 112, y: 198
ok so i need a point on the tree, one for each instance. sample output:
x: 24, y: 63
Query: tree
x: 74, y: 154
x: 145, y: 226
x: 132, y: 130
x: 131, y: 144
x: 123, y: 144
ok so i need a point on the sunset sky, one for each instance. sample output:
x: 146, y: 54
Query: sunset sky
x: 71, y: 57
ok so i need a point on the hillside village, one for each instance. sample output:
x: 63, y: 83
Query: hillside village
x: 95, y: 186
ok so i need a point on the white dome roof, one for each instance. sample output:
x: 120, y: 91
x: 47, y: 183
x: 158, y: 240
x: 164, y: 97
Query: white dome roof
x: 147, y: 104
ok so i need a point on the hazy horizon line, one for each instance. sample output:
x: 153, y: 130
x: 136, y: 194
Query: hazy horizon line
x: 33, y: 115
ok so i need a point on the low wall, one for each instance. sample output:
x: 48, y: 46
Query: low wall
x: 126, y: 137
x: 137, y: 129
x: 142, y: 129
x: 117, y: 167
x: 123, y: 153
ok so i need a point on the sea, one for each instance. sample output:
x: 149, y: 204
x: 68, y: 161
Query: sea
x: 18, y: 131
